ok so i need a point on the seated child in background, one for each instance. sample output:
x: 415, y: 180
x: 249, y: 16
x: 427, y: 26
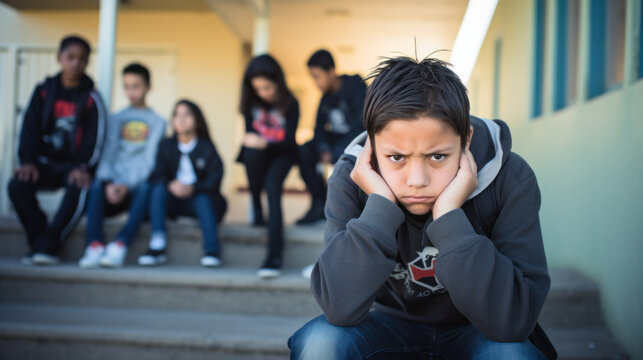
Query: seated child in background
x: 121, y: 179
x: 433, y: 222
x: 60, y: 144
x: 186, y: 182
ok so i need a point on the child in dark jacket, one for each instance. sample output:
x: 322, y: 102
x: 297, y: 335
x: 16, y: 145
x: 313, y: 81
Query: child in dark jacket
x: 60, y: 145
x: 186, y: 182
x: 433, y: 224
x: 269, y: 148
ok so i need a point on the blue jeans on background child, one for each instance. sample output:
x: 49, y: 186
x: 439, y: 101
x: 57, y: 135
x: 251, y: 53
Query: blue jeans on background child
x: 382, y: 336
x: 199, y: 206
x: 98, y: 208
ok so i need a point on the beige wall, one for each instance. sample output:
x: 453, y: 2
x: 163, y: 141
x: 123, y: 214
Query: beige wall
x: 209, y: 57
x: 587, y: 158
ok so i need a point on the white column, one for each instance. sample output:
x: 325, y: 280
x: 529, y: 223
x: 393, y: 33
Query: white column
x: 261, y: 38
x: 106, y: 42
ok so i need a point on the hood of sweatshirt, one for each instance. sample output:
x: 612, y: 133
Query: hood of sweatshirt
x: 490, y: 146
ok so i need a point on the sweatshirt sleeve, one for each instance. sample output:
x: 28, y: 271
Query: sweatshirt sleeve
x: 30, y: 133
x: 91, y: 146
x: 152, y: 144
x: 292, y: 120
x: 321, y: 141
x: 160, y: 170
x: 359, y: 252
x: 105, y: 170
x: 499, y: 284
x: 212, y: 180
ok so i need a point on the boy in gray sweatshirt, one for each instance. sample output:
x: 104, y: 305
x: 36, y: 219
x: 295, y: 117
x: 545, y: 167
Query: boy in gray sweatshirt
x: 133, y: 135
x: 433, y: 244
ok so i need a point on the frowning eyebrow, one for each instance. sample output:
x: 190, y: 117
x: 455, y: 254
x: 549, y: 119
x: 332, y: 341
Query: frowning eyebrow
x: 388, y: 149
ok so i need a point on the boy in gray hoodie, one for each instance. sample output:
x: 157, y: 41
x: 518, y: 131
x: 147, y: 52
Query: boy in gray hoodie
x: 433, y: 244
x: 121, y: 179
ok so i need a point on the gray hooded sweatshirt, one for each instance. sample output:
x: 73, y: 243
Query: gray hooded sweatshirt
x: 482, y: 264
x: 133, y: 136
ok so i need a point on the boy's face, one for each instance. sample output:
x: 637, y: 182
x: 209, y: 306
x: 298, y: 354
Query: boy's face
x: 73, y: 61
x: 323, y: 79
x: 417, y: 159
x: 135, y: 88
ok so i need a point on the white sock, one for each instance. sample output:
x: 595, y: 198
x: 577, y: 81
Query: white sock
x: 157, y: 242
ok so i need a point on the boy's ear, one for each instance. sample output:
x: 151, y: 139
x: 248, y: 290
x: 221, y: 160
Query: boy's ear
x: 470, y: 136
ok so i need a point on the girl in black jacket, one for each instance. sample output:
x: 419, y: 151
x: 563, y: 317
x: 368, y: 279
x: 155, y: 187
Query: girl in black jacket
x: 269, y: 149
x: 186, y: 182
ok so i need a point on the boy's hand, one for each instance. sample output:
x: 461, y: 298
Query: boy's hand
x: 115, y: 193
x: 367, y: 178
x: 80, y: 178
x: 326, y: 157
x: 179, y: 190
x: 463, y: 185
x: 254, y: 141
x: 27, y: 173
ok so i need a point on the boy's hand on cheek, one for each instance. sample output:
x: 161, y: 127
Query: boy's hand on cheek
x: 457, y: 192
x: 367, y: 178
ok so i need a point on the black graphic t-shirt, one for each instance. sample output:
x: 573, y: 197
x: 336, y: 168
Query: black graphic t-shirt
x: 277, y: 128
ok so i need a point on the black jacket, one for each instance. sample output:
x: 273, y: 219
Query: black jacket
x: 43, y: 137
x: 207, y: 165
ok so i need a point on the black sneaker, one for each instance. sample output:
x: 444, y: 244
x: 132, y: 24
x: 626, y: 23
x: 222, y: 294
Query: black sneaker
x: 152, y: 258
x: 270, y: 269
x: 313, y: 215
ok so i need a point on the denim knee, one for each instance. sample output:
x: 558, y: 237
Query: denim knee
x: 489, y: 350
x: 320, y: 339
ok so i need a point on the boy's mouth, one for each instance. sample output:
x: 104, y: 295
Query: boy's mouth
x: 418, y: 199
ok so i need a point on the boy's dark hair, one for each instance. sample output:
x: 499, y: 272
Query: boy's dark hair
x: 199, y: 118
x: 264, y: 66
x: 405, y: 88
x: 322, y: 59
x: 70, y: 40
x: 138, y: 69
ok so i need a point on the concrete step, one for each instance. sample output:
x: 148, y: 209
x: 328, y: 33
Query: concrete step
x: 183, y: 288
x: 242, y: 245
x: 573, y: 300
x: 56, y: 332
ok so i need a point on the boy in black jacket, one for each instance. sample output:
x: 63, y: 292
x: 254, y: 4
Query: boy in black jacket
x: 60, y: 145
x: 433, y: 223
x: 339, y: 120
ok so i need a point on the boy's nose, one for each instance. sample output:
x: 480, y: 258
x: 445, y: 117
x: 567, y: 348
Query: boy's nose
x: 417, y: 176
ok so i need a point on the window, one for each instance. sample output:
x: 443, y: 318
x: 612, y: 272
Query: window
x: 607, y: 46
x: 566, y: 71
x: 539, y: 58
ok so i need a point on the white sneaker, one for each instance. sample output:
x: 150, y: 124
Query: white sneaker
x: 267, y: 273
x: 114, y: 255
x: 210, y: 261
x: 307, y: 271
x: 45, y: 259
x: 152, y: 258
x: 92, y: 255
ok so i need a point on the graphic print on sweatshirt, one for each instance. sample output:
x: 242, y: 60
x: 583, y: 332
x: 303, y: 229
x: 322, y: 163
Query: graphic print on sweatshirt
x: 62, y: 135
x: 336, y: 122
x: 135, y: 131
x: 270, y: 124
x: 419, y: 274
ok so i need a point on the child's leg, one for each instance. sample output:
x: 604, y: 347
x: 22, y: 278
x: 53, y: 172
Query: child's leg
x: 277, y: 172
x: 308, y: 159
x: 23, y: 197
x: 95, y: 212
x: 255, y: 162
x: 379, y: 336
x: 159, y: 196
x: 138, y: 207
x: 467, y: 342
x: 67, y: 216
x: 204, y: 211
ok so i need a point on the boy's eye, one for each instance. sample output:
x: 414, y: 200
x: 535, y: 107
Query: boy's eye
x: 438, y: 157
x: 396, y: 158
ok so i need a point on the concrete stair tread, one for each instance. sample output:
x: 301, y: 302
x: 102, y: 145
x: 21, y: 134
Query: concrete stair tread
x: 231, y: 332
x: 586, y: 344
x: 171, y: 275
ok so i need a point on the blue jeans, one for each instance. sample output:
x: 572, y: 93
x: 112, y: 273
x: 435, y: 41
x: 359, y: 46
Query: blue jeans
x: 382, y: 336
x: 98, y: 208
x: 198, y: 206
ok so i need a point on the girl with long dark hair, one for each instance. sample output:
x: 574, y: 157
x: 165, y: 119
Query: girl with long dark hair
x: 186, y: 182
x: 269, y: 148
